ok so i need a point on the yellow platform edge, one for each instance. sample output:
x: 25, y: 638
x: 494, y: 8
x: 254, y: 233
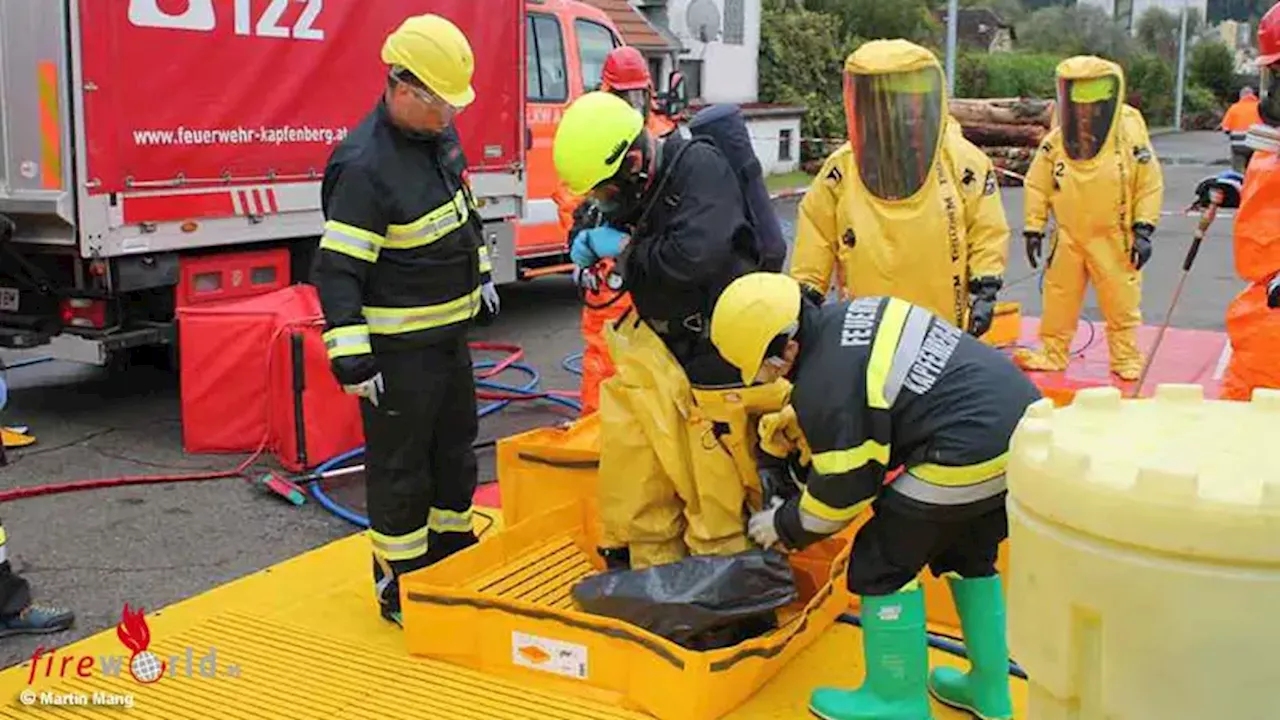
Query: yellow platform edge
x: 302, y: 640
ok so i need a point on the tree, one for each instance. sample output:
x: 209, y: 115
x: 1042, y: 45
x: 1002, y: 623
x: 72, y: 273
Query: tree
x: 802, y: 56
x: 1213, y: 65
x: 877, y: 19
x: 1159, y: 31
x: 1075, y: 30
x: 1150, y: 83
x: 1010, y: 11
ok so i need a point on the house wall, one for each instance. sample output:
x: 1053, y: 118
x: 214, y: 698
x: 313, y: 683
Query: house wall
x: 766, y: 134
x: 1003, y: 41
x: 660, y: 67
x: 728, y: 60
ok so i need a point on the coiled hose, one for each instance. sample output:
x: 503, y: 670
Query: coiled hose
x: 501, y: 395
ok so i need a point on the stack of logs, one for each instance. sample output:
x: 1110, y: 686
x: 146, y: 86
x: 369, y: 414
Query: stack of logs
x: 1007, y: 129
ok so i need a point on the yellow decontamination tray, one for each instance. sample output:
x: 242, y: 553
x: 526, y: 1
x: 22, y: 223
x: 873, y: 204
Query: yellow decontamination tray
x: 302, y: 640
x: 505, y: 607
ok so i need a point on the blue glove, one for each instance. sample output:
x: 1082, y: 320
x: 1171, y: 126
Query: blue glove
x: 592, y: 246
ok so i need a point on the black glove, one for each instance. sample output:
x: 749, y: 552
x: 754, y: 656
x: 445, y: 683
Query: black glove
x: 1140, y: 253
x: 353, y: 369
x: 618, y: 558
x: 1035, y: 247
x: 1273, y: 292
x: 586, y: 216
x: 776, y: 479
x: 813, y: 295
x: 983, y: 309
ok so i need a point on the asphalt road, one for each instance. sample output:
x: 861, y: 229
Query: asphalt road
x: 155, y: 545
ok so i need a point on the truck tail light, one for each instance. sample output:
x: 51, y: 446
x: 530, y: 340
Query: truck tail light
x: 84, y: 313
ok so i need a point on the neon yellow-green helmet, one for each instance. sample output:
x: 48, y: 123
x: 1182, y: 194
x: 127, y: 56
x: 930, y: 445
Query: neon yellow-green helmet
x: 592, y: 139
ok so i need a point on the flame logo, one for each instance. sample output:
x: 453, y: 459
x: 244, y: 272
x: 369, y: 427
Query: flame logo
x: 133, y: 630
x: 135, y: 635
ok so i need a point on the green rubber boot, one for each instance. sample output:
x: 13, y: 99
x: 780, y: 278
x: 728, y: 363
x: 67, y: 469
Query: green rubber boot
x: 896, y: 650
x: 984, y: 690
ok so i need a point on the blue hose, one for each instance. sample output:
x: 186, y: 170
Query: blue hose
x: 572, y: 363
x: 359, y: 520
x: 938, y: 642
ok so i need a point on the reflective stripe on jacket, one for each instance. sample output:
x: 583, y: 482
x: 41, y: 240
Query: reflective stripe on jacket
x: 881, y: 383
x: 402, y: 259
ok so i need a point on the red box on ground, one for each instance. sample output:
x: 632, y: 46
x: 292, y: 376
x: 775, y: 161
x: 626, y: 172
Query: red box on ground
x: 254, y: 372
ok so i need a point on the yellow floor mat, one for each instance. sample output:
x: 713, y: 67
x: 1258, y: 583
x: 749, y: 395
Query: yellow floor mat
x: 302, y: 640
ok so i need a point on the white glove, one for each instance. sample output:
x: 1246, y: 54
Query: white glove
x: 761, y: 527
x: 489, y: 293
x: 370, y: 389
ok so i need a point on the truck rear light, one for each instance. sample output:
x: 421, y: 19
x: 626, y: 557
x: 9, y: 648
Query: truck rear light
x: 84, y: 313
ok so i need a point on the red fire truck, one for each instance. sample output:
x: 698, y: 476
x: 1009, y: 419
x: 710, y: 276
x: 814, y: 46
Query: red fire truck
x: 156, y: 153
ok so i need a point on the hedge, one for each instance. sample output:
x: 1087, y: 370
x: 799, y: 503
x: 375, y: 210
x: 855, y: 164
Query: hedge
x: 1149, y: 81
x: 983, y: 75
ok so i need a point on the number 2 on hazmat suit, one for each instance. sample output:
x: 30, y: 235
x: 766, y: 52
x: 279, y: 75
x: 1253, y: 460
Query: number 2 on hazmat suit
x: 908, y: 207
x: 1098, y: 175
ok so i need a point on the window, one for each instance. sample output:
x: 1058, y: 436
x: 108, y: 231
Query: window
x: 692, y: 72
x: 735, y: 21
x: 655, y: 72
x: 545, y: 77
x: 1124, y: 14
x: 594, y: 43
x: 784, y: 144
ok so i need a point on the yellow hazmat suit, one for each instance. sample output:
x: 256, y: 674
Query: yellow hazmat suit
x: 1097, y: 173
x: 907, y: 207
x: 677, y: 463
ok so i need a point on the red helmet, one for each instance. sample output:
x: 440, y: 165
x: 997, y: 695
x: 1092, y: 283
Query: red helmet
x: 625, y: 69
x: 1269, y: 37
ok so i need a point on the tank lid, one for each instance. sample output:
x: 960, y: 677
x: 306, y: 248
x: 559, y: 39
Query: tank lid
x: 1174, y: 473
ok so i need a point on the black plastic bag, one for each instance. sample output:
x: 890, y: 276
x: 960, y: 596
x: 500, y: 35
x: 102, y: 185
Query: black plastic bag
x: 700, y: 603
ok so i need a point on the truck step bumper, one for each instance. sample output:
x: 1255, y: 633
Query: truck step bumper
x: 90, y: 350
x: 19, y: 338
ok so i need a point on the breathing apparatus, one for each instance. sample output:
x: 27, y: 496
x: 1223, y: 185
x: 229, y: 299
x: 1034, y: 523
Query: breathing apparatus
x: 602, y: 275
x: 627, y: 189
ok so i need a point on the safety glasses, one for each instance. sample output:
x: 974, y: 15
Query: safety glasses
x: 428, y: 98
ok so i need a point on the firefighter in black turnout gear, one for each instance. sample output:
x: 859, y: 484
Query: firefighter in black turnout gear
x: 401, y: 272
x: 677, y: 467
x: 880, y: 384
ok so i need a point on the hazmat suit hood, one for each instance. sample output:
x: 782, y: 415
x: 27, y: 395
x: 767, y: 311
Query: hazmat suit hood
x: 896, y: 112
x: 1091, y: 93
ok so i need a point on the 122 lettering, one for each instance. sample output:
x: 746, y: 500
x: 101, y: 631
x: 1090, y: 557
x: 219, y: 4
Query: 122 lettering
x: 199, y: 16
x: 269, y: 21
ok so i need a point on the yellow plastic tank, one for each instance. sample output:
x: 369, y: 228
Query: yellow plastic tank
x: 1144, y: 577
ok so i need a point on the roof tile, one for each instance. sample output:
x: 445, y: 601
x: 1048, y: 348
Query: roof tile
x: 635, y: 28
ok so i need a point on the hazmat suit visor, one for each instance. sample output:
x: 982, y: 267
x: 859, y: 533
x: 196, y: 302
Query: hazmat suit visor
x: 1269, y: 95
x: 1087, y: 112
x: 894, y: 122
